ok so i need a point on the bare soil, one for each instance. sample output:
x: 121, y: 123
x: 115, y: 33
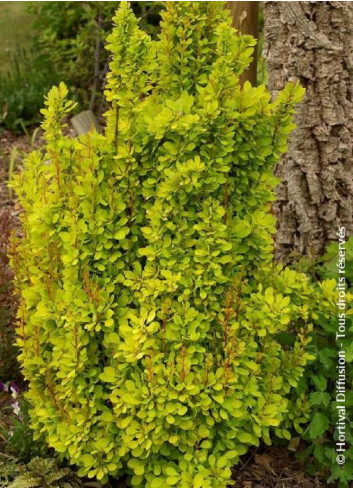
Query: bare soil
x: 273, y: 467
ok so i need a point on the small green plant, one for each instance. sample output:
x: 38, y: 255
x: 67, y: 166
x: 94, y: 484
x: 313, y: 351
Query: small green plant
x: 318, y: 387
x: 15, y: 429
x: 326, y: 265
x: 43, y: 472
x: 151, y: 321
x: 9, y: 469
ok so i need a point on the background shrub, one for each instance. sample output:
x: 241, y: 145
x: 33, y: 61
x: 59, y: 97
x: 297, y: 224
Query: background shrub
x: 22, y: 89
x: 69, y: 46
x: 151, y: 323
x: 73, y: 34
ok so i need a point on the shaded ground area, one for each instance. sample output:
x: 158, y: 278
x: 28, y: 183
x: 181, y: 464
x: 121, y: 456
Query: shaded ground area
x: 8, y: 142
x: 13, y: 148
x: 273, y: 467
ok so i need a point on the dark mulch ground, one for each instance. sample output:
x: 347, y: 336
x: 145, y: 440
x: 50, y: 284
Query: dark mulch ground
x: 273, y: 467
x: 22, y: 145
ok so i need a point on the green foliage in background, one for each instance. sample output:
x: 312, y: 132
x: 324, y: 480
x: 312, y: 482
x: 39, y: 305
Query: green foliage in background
x: 318, y: 387
x: 69, y: 46
x: 15, y: 30
x: 22, y: 89
x: 73, y: 34
x: 151, y: 321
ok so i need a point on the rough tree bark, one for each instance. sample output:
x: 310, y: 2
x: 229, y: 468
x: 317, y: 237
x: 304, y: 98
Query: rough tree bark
x: 312, y: 42
x: 245, y: 19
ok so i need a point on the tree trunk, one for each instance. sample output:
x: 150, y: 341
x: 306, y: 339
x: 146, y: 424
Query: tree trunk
x: 245, y: 16
x: 312, y: 42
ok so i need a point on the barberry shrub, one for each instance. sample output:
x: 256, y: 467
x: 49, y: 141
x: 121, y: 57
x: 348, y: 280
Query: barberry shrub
x: 150, y: 340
